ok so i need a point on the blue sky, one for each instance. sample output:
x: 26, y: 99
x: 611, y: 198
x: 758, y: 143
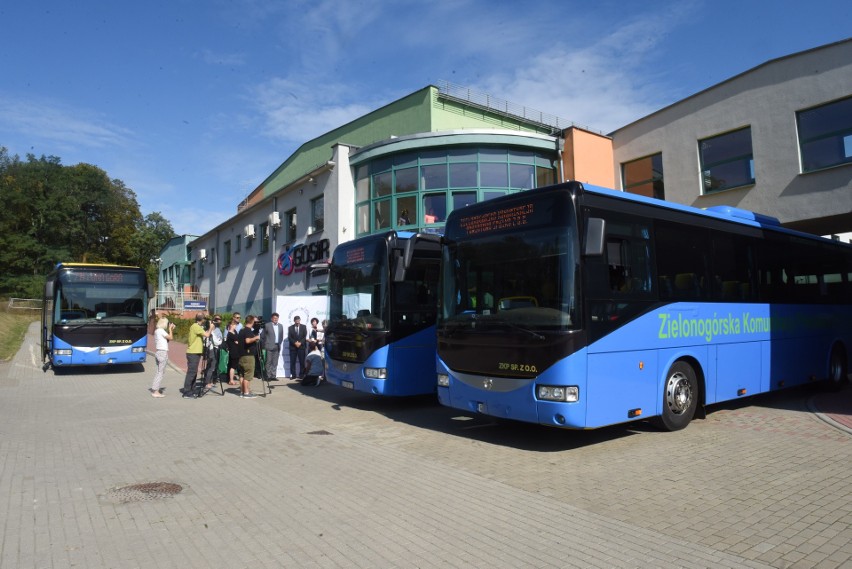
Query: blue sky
x: 192, y: 104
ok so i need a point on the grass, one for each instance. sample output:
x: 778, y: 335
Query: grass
x: 13, y: 327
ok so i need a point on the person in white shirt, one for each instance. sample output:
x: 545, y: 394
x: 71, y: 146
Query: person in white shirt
x: 162, y: 336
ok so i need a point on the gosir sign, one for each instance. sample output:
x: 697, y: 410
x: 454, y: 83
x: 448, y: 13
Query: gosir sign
x: 299, y: 257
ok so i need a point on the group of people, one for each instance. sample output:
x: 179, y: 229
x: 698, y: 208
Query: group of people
x: 238, y: 345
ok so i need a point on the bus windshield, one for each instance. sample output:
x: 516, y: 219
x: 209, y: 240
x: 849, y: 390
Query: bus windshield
x: 510, y: 270
x: 358, y: 286
x: 86, y: 296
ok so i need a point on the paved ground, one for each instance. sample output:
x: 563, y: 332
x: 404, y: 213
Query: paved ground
x: 321, y: 477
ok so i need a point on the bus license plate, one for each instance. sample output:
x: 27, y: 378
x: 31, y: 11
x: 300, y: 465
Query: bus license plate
x: 348, y: 384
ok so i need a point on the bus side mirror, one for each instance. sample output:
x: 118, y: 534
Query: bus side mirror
x: 48, y: 290
x: 315, y: 270
x: 595, y: 230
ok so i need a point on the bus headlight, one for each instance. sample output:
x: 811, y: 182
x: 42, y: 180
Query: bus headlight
x: 62, y: 352
x: 376, y: 372
x: 558, y: 393
x: 443, y: 380
x: 137, y: 349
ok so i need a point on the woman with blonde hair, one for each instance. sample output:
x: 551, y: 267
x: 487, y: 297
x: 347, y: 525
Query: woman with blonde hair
x: 162, y: 336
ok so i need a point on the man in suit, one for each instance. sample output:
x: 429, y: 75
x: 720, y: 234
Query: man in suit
x: 297, y: 336
x: 272, y: 337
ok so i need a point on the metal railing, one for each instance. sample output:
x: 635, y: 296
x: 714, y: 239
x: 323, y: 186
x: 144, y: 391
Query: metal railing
x: 175, y: 301
x: 25, y: 304
x: 506, y: 108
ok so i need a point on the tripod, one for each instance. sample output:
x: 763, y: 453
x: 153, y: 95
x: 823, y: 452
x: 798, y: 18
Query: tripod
x: 215, y: 375
x: 260, y: 371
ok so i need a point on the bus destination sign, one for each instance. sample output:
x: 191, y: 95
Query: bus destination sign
x: 497, y: 220
x: 105, y: 277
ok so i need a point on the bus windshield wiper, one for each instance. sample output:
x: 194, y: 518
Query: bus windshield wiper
x: 513, y: 326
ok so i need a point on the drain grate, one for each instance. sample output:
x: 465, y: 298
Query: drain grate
x: 144, y: 492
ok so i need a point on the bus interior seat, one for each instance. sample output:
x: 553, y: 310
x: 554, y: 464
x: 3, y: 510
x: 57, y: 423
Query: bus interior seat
x: 363, y: 313
x: 686, y: 285
x: 731, y: 290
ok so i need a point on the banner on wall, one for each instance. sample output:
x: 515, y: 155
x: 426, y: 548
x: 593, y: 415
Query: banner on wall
x: 305, y: 307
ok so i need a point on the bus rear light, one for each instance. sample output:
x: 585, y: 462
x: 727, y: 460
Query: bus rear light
x: 443, y: 380
x: 558, y: 393
x: 376, y: 372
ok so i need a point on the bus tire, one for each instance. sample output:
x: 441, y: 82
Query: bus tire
x: 680, y: 397
x: 837, y: 368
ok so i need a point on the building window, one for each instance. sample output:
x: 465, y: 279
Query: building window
x: 414, y: 190
x: 727, y: 161
x: 290, y: 226
x: 226, y: 261
x: 317, y: 214
x: 264, y: 237
x: 825, y: 135
x: 644, y: 177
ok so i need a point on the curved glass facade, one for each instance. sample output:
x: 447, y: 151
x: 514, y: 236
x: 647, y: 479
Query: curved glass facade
x: 416, y: 190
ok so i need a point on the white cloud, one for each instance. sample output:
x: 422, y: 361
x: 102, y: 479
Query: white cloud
x: 45, y: 121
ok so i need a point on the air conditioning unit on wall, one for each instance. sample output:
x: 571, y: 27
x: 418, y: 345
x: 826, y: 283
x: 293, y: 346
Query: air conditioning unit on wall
x: 248, y: 231
x: 274, y: 220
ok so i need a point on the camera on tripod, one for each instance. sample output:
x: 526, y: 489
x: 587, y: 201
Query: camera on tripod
x: 258, y: 325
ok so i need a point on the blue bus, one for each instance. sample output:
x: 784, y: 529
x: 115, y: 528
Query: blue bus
x: 94, y: 315
x: 582, y: 307
x: 380, y: 336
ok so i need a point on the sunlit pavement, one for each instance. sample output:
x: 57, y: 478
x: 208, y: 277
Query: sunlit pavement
x: 97, y: 473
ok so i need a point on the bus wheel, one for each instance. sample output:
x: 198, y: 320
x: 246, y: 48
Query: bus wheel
x: 837, y: 370
x: 680, y: 398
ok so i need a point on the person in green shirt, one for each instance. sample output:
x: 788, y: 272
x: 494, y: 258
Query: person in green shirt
x: 194, y: 350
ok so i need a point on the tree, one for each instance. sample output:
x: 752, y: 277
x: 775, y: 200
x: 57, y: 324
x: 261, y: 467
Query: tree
x: 52, y: 213
x: 151, y: 235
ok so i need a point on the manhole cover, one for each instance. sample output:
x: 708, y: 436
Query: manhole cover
x: 144, y: 492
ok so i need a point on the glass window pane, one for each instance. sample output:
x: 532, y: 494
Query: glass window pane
x: 462, y: 155
x: 522, y: 156
x: 433, y: 157
x: 463, y: 175
x: 522, y: 176
x: 462, y: 199
x: 406, y: 180
x: 493, y: 155
x: 407, y: 159
x: 362, y: 183
x: 825, y: 135
x: 726, y: 160
x: 363, y: 218
x: 644, y: 176
x: 491, y: 194
x: 406, y: 210
x: 434, y: 207
x: 544, y: 176
x: 382, y: 185
x: 434, y: 177
x: 494, y: 175
x: 318, y: 213
x: 381, y: 220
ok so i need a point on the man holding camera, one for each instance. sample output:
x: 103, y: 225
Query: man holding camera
x: 194, y: 351
x: 272, y: 337
x: 248, y: 338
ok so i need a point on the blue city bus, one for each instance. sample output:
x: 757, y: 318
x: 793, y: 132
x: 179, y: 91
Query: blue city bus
x: 581, y: 307
x: 380, y: 337
x: 94, y: 315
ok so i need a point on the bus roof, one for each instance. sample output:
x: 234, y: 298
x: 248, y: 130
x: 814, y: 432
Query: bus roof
x: 725, y: 213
